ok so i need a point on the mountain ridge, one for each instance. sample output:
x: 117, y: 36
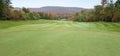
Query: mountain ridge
x: 58, y: 10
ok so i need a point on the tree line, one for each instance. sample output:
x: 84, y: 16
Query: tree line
x: 8, y: 13
x: 108, y: 11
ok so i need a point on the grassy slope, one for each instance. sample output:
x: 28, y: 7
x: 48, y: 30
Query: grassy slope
x: 59, y: 38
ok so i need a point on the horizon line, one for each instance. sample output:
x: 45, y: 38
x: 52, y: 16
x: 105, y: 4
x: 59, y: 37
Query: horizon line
x: 54, y: 6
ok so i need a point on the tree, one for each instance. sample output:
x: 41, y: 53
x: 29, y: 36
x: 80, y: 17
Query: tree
x: 117, y: 4
x: 26, y: 10
x: 4, y: 5
x: 1, y: 7
x: 107, y: 11
x: 103, y: 2
x: 7, y: 2
x: 116, y: 17
x: 97, y: 12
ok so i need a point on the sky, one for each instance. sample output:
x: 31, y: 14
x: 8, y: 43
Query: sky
x: 65, y: 3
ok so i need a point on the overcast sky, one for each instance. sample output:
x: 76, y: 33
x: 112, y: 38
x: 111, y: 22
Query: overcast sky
x: 65, y: 3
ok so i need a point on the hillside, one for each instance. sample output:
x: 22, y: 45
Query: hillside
x: 61, y: 11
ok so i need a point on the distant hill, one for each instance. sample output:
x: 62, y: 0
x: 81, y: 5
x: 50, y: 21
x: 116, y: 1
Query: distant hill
x: 61, y: 11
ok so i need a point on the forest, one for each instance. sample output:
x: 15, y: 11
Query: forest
x: 108, y: 11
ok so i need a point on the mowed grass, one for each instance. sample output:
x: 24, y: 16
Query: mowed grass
x: 59, y: 38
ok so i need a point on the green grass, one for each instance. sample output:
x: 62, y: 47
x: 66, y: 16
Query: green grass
x: 59, y: 38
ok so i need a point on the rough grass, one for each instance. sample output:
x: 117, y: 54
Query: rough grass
x: 59, y: 38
